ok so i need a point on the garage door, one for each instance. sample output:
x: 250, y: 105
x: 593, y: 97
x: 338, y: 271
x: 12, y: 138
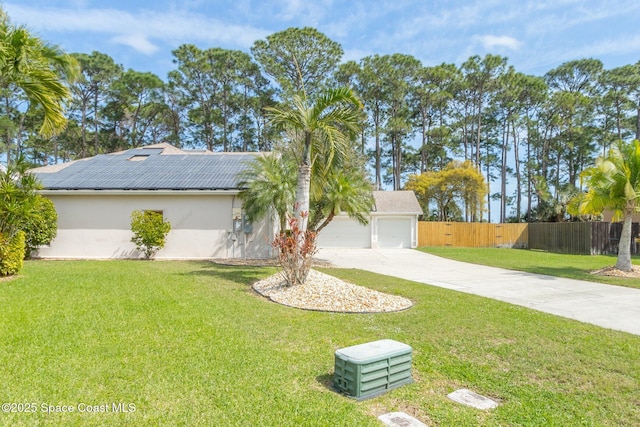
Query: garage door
x: 394, y: 232
x: 344, y: 232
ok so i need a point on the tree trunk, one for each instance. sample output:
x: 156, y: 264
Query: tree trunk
x: 397, y: 161
x: 303, y: 185
x: 326, y: 222
x: 7, y: 134
x: 503, y: 170
x: 8, y: 138
x: 516, y: 156
x: 488, y: 191
x: 83, y: 149
x: 557, y: 178
x: 624, y: 245
x: 378, y: 163
x: 302, y: 195
x: 478, y: 130
x: 638, y: 123
x: 96, y: 136
x: 425, y: 127
x: 529, y: 178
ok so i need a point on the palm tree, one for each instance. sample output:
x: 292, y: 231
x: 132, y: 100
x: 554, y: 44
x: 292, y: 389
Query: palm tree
x: 614, y: 183
x: 324, y: 128
x: 37, y: 69
x: 346, y: 190
x: 268, y: 183
x: 320, y: 131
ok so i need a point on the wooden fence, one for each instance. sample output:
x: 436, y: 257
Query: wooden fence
x: 614, y: 237
x: 584, y: 238
x: 472, y: 234
x: 588, y: 238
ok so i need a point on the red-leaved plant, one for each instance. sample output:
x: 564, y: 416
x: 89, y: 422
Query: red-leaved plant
x: 295, y: 251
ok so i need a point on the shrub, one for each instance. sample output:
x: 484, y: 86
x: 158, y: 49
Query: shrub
x: 149, y: 231
x: 11, y: 254
x: 17, y: 197
x: 41, y: 226
x: 295, y: 252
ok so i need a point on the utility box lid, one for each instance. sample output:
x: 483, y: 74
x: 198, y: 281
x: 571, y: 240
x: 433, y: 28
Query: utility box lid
x: 372, y: 351
x: 367, y: 370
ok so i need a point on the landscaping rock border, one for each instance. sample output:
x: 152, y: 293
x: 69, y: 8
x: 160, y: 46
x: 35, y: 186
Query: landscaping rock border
x: 322, y: 292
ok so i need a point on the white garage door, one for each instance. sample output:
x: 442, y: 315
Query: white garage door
x: 394, y: 232
x: 343, y: 232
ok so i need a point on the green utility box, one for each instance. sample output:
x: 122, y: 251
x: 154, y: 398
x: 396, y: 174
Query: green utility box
x: 367, y: 370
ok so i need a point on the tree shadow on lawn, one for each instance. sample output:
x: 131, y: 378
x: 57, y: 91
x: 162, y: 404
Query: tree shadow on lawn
x: 559, y: 272
x: 578, y: 274
x: 244, y: 275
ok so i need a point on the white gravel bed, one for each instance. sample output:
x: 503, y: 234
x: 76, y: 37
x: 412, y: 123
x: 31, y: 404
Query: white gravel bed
x: 327, y: 293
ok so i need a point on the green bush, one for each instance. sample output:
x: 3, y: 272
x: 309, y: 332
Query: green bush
x: 17, y: 197
x: 11, y: 254
x: 41, y: 226
x: 149, y: 231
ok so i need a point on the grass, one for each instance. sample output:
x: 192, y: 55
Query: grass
x: 189, y: 343
x: 553, y: 264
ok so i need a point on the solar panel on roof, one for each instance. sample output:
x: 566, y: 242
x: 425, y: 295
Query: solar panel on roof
x: 116, y: 172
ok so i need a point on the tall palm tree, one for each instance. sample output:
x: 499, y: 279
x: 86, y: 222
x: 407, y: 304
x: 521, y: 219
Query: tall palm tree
x: 325, y: 128
x: 38, y: 70
x: 614, y: 183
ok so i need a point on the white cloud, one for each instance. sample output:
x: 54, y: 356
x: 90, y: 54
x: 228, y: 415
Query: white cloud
x: 355, y: 54
x: 290, y: 9
x: 555, y: 16
x: 138, y: 42
x: 304, y: 13
x: 493, y: 42
x: 622, y: 46
x: 535, y: 34
x: 139, y: 30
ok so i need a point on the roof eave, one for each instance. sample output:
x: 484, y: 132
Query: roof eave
x: 139, y: 192
x: 395, y: 213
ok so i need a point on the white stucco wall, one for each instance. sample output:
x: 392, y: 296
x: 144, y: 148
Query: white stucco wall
x: 98, y: 225
x: 344, y: 232
x: 383, y: 231
x: 394, y: 231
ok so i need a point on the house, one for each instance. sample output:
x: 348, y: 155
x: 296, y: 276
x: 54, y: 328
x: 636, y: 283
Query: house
x: 608, y: 215
x: 393, y: 223
x: 197, y: 192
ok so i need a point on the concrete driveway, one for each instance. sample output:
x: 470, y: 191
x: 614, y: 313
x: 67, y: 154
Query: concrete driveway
x: 613, y: 307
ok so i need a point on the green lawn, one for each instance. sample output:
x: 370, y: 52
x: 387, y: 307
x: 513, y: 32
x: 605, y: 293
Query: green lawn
x: 189, y: 343
x: 553, y: 264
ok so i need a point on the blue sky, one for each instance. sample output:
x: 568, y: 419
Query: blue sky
x: 536, y: 35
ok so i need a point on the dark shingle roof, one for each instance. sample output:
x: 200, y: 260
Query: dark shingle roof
x: 148, y: 169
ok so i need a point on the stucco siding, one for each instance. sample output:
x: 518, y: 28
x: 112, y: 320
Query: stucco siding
x: 391, y: 231
x: 345, y: 232
x: 98, y: 226
x: 394, y: 232
x: 383, y: 231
